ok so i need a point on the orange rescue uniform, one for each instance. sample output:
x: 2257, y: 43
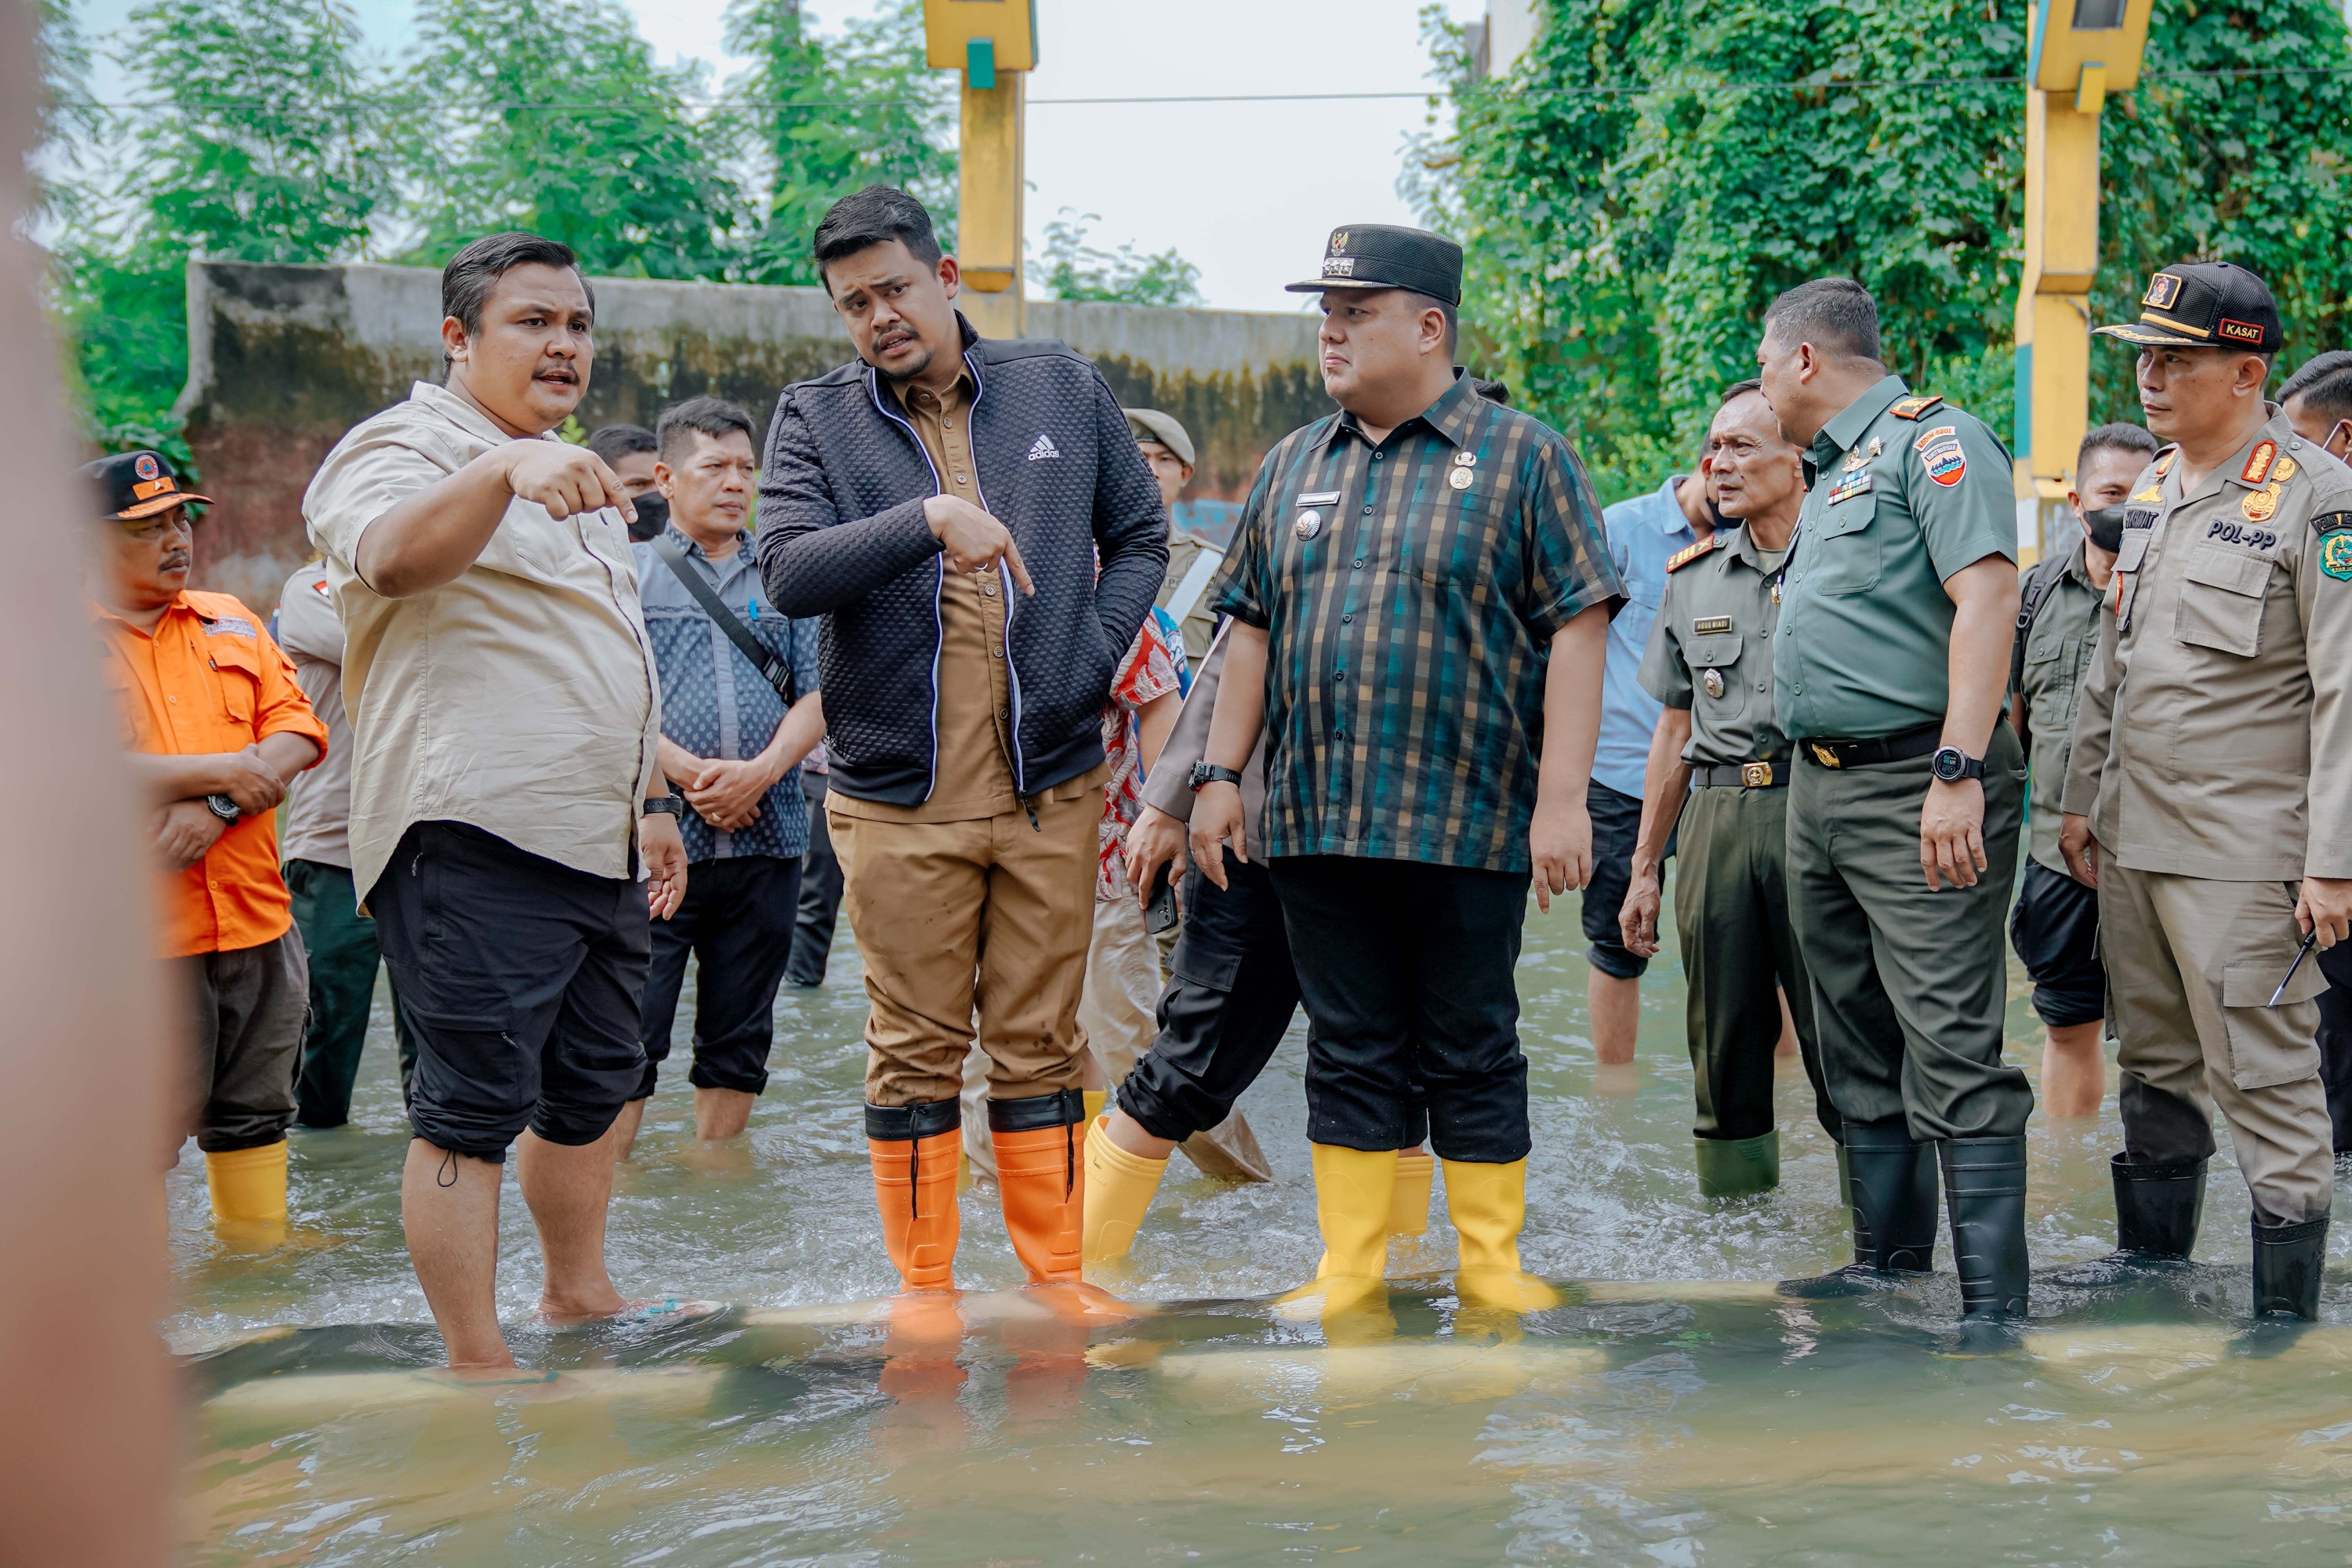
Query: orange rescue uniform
x: 209, y: 678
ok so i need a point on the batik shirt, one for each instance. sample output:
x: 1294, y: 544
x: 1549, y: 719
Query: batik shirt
x: 1154, y: 667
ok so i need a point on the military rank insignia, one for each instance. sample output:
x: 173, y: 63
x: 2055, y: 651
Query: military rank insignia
x: 1939, y: 449
x: 1852, y: 485
x: 1682, y: 558
x: 2258, y: 463
x: 1913, y: 407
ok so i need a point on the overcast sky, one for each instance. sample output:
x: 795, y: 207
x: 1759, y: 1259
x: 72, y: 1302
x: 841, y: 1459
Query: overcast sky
x: 1245, y: 191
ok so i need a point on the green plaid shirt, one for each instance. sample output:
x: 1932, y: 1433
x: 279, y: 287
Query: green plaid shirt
x: 1408, y: 616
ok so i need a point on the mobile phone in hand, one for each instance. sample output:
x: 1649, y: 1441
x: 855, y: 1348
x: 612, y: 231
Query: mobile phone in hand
x: 1159, y: 901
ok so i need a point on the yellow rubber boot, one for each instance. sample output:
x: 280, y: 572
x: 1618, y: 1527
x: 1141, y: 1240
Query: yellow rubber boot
x: 249, y: 1191
x: 1354, y: 1191
x: 1095, y: 1098
x: 1488, y: 1205
x: 1119, y: 1186
x: 1409, y: 1207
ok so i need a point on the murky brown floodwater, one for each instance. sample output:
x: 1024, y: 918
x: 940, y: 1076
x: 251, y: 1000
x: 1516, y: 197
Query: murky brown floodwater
x: 1674, y: 1412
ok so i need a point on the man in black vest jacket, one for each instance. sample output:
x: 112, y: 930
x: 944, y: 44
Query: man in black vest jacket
x: 942, y: 502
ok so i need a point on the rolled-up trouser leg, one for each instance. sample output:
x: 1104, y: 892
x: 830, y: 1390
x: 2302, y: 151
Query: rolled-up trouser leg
x: 1909, y: 984
x: 2194, y: 963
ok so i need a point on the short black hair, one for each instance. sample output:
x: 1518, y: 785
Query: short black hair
x: 474, y: 271
x: 615, y: 442
x: 2324, y: 382
x: 714, y: 416
x: 875, y: 216
x: 2120, y: 437
x: 1833, y: 313
x: 1492, y: 391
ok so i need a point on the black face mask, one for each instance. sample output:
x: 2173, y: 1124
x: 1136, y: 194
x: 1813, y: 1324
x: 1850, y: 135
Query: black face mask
x: 2106, y: 527
x: 653, y: 516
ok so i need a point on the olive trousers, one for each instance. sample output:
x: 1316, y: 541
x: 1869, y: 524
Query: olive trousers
x: 1908, y: 986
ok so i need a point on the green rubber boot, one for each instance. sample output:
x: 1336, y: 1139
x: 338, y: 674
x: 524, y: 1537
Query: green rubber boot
x: 1736, y: 1167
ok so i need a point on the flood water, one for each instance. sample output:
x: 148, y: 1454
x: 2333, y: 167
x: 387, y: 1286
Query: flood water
x: 1673, y: 1411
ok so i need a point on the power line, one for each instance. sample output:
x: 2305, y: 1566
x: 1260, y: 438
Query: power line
x: 1596, y: 89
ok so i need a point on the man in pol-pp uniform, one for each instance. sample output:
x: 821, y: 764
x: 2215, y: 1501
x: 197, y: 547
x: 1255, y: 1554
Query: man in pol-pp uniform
x: 1897, y: 616
x: 2209, y: 796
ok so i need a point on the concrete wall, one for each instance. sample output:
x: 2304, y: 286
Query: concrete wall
x: 283, y: 360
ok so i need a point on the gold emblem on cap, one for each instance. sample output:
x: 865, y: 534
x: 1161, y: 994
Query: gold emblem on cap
x: 2162, y: 290
x: 1338, y: 241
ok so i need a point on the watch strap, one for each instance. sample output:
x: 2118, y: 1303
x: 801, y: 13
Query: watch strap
x: 1206, y: 774
x: 663, y: 805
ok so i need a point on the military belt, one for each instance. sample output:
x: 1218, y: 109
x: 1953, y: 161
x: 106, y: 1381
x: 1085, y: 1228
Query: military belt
x: 1768, y: 774
x: 1895, y: 748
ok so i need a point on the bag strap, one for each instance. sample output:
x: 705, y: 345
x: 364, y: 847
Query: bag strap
x: 778, y: 673
x: 2040, y: 580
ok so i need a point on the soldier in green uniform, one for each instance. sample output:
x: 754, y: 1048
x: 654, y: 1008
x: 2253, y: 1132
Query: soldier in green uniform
x: 1897, y: 610
x: 1710, y: 661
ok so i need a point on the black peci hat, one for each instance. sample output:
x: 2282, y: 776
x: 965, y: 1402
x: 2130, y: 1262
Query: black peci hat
x: 1385, y: 255
x: 2205, y: 305
x: 133, y: 485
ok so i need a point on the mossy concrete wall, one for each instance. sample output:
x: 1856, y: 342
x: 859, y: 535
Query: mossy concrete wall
x: 283, y: 360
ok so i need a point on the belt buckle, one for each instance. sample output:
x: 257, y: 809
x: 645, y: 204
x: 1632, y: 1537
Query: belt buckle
x: 1825, y: 755
x: 1755, y: 775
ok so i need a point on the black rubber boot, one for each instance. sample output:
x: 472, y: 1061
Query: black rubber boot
x: 1890, y: 1186
x: 2288, y: 1260
x: 1984, y: 1186
x: 2156, y: 1210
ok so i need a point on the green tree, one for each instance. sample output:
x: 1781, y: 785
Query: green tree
x: 826, y: 116
x: 255, y: 138
x: 1652, y: 172
x: 1073, y: 270
x: 553, y: 116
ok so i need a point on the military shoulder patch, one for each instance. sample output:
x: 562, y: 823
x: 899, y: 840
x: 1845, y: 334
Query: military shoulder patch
x: 1682, y: 558
x: 2328, y: 523
x: 2164, y: 460
x: 2335, y: 553
x: 1913, y: 407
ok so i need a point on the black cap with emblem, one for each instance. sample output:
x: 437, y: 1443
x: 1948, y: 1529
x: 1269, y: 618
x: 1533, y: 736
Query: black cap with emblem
x: 1384, y: 256
x: 130, y: 486
x: 2205, y: 305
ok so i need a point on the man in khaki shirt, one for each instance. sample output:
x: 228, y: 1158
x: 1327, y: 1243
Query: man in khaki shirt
x: 504, y: 713
x: 2209, y: 795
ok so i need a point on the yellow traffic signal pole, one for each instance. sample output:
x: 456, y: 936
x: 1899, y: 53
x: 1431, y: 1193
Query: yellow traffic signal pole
x: 994, y: 44
x: 2082, y: 50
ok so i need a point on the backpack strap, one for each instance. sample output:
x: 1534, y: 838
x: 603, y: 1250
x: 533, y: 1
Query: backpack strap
x: 2041, y: 582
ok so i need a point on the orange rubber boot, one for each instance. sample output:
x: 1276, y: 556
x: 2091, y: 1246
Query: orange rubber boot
x: 1041, y: 1172
x: 917, y: 1162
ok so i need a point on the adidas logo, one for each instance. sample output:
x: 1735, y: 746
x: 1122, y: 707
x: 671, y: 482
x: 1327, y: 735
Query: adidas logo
x: 1043, y: 447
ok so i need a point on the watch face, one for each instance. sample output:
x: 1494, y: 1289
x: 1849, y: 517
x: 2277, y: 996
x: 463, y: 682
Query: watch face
x: 1949, y: 764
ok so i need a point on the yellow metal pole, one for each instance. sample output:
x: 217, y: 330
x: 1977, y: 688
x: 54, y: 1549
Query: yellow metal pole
x: 2053, y: 333
x: 988, y: 215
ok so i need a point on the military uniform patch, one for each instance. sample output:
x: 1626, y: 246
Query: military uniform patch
x: 2262, y: 505
x: 2286, y: 469
x: 2258, y: 463
x: 2336, y: 556
x: 1851, y: 486
x: 1682, y: 558
x: 1913, y: 407
x: 1945, y: 463
x: 1712, y: 682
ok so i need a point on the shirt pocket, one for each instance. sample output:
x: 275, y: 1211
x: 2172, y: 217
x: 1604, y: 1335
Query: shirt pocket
x: 238, y: 678
x: 2222, y: 599
x: 2053, y: 666
x: 1719, y: 653
x: 1845, y: 551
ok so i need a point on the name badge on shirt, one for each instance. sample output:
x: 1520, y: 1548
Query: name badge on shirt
x: 1851, y: 486
x: 1318, y: 498
x: 1707, y: 624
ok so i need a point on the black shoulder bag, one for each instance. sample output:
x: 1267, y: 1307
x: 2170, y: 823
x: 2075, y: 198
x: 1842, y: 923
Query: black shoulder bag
x: 778, y: 672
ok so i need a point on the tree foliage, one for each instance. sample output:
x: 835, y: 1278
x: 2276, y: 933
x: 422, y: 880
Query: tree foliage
x: 827, y: 116
x: 1071, y: 268
x: 1652, y: 172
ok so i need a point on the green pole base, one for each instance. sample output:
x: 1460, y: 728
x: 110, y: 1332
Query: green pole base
x: 1734, y: 1167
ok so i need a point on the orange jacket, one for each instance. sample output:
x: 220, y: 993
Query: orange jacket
x: 209, y: 678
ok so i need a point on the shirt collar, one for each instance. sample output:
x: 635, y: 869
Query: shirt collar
x: 1670, y: 520
x: 448, y: 406
x: 958, y: 395
x: 2078, y: 565
x: 1855, y: 419
x: 180, y: 604
x: 1453, y: 416
x: 694, y: 548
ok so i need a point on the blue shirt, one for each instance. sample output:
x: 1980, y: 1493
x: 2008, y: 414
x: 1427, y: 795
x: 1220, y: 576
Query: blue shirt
x: 1644, y: 533
x: 714, y: 701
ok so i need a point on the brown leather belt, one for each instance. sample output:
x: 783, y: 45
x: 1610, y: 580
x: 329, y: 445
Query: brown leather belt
x: 1896, y: 748
x: 1740, y: 775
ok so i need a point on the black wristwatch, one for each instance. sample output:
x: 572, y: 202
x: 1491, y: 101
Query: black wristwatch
x: 1209, y: 773
x: 663, y: 805
x: 220, y: 805
x: 1950, y: 765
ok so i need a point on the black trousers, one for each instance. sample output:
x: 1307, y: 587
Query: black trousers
x: 2055, y: 931
x: 820, y: 893
x: 2335, y: 1039
x: 1407, y: 972
x: 246, y: 1009
x: 737, y: 920
x: 523, y: 982
x: 1616, y: 829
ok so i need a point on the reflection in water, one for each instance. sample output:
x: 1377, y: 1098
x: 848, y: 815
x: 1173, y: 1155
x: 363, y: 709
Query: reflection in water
x: 1681, y: 1413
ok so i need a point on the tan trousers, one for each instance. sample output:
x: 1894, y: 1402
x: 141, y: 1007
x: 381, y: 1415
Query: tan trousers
x: 2191, y: 967
x: 971, y: 930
